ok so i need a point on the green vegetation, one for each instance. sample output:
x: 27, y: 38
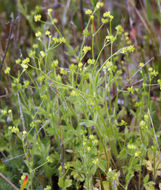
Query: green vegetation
x: 83, y: 110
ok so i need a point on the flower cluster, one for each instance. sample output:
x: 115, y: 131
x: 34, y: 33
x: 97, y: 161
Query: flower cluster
x: 55, y: 63
x: 37, y: 18
x: 129, y: 49
x: 42, y: 53
x: 59, y: 40
x: 25, y: 62
x: 152, y: 72
x: 14, y: 129
x: 108, y: 15
x: 91, y: 61
x: 119, y: 29
x: 7, y: 70
x: 86, y: 49
x: 62, y: 71
x: 110, y: 38
x: 32, y: 54
x: 74, y: 93
x: 38, y: 34
x: 26, y: 84
x: 99, y: 5
x: 88, y: 12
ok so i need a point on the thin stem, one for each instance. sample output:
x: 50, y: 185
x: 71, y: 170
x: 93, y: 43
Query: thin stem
x: 8, y: 181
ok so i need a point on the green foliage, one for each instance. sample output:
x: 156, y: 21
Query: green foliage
x: 74, y: 115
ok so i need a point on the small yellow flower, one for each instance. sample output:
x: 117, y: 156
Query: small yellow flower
x: 47, y: 33
x: 62, y: 71
x: 62, y: 40
x: 15, y: 130
x: 99, y: 5
x: 91, y: 137
x: 9, y: 111
x: 150, y: 69
x: 95, y: 161
x: 104, y: 21
x: 55, y: 63
x: 141, y: 64
x: 18, y: 61
x: 119, y: 29
x: 88, y: 148
x: 49, y: 159
x: 38, y: 34
x: 110, y: 38
x: 137, y: 154
x: 37, y: 18
x: 35, y: 46
x: 84, y: 143
x: 86, y: 49
x: 7, y: 70
x: 43, y: 54
x: 92, y: 16
x: 74, y: 93
x: 131, y: 146
x: 49, y: 11
x: 54, y: 21
x: 80, y: 64
x: 27, y: 60
x: 26, y: 84
x: 56, y: 40
x: 32, y: 54
x: 142, y: 124
x: 130, y: 89
x: 131, y: 48
x: 95, y: 142
x: 4, y: 112
x: 85, y: 32
x: 24, y: 133
x: 106, y: 14
x: 88, y: 12
x: 91, y: 61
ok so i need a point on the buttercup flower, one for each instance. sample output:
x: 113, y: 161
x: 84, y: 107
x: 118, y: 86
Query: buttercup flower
x: 37, y: 18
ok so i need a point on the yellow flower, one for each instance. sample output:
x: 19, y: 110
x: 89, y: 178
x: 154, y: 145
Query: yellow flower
x: 32, y: 53
x: 35, y: 46
x: 99, y: 5
x: 74, y: 93
x: 91, y: 137
x: 80, y: 64
x: 38, y: 34
x: 137, y: 154
x: 141, y: 64
x: 7, y: 70
x: 18, y: 61
x: 24, y: 133
x: 47, y: 32
x: 86, y: 49
x: 95, y: 161
x: 131, y: 146
x: 49, y: 11
x: 43, y: 54
x: 91, y: 61
x: 37, y: 18
x: 88, y: 12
